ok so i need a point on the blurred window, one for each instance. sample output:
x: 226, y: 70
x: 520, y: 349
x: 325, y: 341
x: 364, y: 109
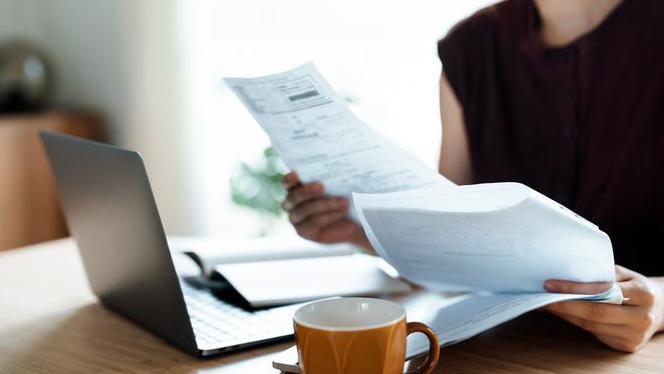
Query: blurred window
x: 381, y: 55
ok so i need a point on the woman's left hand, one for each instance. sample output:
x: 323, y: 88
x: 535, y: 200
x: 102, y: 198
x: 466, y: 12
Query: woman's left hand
x: 626, y: 327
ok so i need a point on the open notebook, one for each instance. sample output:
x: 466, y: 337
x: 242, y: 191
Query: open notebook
x: 269, y: 272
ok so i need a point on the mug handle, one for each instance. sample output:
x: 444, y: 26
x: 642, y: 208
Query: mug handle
x: 434, y: 349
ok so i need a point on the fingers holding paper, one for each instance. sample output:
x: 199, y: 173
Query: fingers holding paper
x: 307, y: 203
x: 624, y: 327
x: 319, y: 217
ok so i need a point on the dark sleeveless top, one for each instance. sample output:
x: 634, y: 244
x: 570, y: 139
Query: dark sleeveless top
x: 583, y: 124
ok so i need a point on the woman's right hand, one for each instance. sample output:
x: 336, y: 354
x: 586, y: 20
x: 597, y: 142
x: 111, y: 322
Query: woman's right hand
x: 318, y: 217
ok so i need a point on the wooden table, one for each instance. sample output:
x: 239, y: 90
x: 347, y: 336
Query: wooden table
x: 51, y: 323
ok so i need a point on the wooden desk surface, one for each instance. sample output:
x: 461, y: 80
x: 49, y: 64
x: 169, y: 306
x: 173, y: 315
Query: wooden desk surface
x: 51, y: 323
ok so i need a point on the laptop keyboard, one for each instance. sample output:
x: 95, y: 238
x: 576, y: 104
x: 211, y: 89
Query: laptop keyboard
x: 219, y: 324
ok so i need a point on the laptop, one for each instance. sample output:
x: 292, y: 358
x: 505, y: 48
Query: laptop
x: 112, y: 214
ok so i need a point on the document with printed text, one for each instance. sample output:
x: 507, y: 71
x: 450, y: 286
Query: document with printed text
x: 316, y: 134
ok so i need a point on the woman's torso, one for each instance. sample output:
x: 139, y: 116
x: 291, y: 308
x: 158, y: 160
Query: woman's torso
x: 583, y: 124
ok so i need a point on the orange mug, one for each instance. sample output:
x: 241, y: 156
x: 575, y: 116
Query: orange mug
x: 357, y: 335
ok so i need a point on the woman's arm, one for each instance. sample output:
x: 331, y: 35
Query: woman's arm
x: 454, y: 163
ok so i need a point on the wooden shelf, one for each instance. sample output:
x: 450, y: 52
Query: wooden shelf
x: 29, y: 208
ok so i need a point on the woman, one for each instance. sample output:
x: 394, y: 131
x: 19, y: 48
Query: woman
x: 566, y: 96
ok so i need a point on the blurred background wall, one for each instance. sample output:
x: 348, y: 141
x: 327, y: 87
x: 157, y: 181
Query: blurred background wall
x: 153, y: 69
x: 119, y: 58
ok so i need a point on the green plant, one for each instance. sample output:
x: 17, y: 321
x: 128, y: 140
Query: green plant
x: 258, y: 187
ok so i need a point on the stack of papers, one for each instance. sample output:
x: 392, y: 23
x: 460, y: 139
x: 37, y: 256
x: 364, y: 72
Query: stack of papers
x: 499, y: 241
x: 503, y: 237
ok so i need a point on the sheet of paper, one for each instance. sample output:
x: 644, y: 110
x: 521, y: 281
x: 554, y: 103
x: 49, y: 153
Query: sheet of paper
x: 316, y: 134
x: 474, y: 314
x: 513, y: 242
x: 268, y: 283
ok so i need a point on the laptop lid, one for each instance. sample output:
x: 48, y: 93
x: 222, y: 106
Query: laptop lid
x: 111, y: 212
